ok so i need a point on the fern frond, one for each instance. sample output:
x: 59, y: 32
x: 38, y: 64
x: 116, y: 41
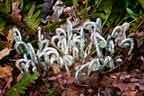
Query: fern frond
x: 6, y: 6
x: 2, y: 24
x: 20, y: 87
x: 32, y: 19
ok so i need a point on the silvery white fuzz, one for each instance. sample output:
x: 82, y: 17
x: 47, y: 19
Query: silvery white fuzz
x: 69, y: 45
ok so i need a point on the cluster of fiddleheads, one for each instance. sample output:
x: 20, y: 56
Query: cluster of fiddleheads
x: 69, y: 45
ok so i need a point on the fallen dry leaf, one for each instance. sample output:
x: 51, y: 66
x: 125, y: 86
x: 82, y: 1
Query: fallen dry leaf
x: 5, y: 72
x: 7, y: 85
x: 10, y: 39
x: 56, y: 69
x: 137, y: 34
x: 130, y: 93
x: 4, y: 52
x: 16, y: 11
x: 19, y: 77
x: 72, y: 91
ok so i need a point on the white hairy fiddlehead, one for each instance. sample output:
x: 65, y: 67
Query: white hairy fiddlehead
x: 32, y: 53
x: 116, y: 38
x: 16, y: 34
x: 99, y: 25
x: 79, y: 69
x: 67, y: 46
x: 24, y: 65
x: 127, y: 43
x: 26, y: 50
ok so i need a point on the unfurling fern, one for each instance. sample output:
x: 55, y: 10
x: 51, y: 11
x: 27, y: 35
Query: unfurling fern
x: 20, y: 87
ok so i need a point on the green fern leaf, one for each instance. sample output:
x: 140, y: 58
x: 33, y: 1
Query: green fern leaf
x: 6, y: 7
x: 32, y: 19
x: 20, y: 87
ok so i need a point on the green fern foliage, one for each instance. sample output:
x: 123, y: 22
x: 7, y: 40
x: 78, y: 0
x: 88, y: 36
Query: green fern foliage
x: 6, y: 6
x: 20, y: 87
x: 32, y: 19
x: 51, y: 92
x: 2, y: 24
